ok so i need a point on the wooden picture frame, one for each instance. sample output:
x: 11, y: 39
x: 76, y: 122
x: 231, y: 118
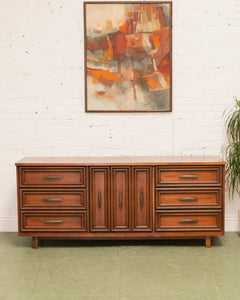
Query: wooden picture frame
x: 128, y: 56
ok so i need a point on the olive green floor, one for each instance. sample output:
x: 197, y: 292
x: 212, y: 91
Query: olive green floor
x: 120, y: 270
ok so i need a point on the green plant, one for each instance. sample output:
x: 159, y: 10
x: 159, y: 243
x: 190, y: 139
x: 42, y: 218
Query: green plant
x: 232, y: 148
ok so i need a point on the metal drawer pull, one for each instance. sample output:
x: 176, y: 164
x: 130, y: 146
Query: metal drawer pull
x: 52, y: 177
x: 99, y: 200
x: 188, y: 199
x: 53, y: 199
x: 141, y: 199
x: 188, y: 221
x: 120, y: 199
x: 188, y: 176
x: 53, y: 221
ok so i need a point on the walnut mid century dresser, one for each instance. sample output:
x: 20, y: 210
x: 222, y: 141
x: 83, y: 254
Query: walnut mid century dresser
x: 120, y: 197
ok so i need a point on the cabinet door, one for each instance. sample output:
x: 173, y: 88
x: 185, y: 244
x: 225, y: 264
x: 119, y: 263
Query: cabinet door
x: 99, y: 200
x: 120, y: 199
x: 142, y: 198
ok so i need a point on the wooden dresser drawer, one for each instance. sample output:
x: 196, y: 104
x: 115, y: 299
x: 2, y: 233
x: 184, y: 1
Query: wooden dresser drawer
x: 53, y: 221
x: 188, y: 221
x: 188, y: 176
x: 53, y: 199
x: 188, y: 198
x: 44, y: 177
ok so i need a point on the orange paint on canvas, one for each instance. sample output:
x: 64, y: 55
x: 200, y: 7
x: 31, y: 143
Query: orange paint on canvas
x: 100, y: 93
x: 135, y: 44
x: 153, y: 78
x: 105, y: 81
x: 156, y: 40
x: 110, y: 47
x: 163, y: 34
x: 153, y: 83
x: 104, y: 95
x: 165, y: 70
x: 120, y: 42
x: 98, y: 74
x: 123, y: 27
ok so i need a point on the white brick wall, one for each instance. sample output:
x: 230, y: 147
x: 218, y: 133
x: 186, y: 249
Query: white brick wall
x: 42, y: 90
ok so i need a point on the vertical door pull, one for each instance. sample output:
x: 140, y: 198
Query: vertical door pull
x: 99, y: 200
x: 120, y: 199
x: 141, y: 199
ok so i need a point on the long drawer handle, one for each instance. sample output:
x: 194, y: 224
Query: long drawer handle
x: 188, y: 221
x: 53, y: 221
x: 52, y: 177
x: 53, y: 199
x: 188, y: 176
x: 99, y: 200
x: 188, y: 199
x: 120, y: 199
x: 141, y: 199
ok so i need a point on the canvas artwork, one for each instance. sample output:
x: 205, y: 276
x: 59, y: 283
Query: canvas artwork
x: 128, y: 56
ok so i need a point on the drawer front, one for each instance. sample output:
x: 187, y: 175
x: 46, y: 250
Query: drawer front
x: 53, y: 177
x: 53, y: 199
x: 188, y: 175
x: 53, y: 222
x: 202, y: 198
x: 188, y: 221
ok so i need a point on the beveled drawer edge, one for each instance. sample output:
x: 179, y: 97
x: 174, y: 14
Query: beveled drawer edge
x: 191, y: 168
x: 190, y: 213
x: 57, y: 214
x: 59, y: 191
x: 186, y: 190
x: 81, y: 169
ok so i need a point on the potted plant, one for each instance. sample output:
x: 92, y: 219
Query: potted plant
x: 232, y: 148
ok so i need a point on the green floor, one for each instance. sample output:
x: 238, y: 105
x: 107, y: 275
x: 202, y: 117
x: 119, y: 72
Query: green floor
x: 118, y: 270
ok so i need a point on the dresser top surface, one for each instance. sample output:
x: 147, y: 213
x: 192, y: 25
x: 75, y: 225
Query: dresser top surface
x: 120, y: 160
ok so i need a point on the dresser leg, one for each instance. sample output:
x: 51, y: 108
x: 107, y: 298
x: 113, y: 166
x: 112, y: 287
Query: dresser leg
x: 208, y: 242
x: 34, y: 242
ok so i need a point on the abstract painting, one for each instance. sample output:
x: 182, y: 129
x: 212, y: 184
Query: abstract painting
x: 128, y: 59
